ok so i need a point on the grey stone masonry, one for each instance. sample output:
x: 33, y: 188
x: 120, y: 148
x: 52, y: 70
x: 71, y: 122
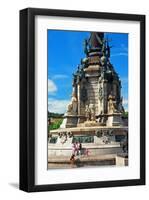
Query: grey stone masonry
x: 96, y: 87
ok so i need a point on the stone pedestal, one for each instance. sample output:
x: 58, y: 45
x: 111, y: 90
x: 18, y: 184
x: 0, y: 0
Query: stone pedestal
x: 114, y: 119
x: 88, y: 124
x: 122, y: 160
x: 69, y: 121
x: 81, y: 119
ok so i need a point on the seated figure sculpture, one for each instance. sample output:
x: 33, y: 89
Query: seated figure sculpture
x: 72, y: 106
x: 111, y: 105
x: 87, y: 113
x: 90, y: 112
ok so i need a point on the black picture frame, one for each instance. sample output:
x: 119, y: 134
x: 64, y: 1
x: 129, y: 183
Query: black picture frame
x: 27, y: 99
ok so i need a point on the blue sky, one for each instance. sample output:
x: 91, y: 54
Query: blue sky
x: 65, y: 50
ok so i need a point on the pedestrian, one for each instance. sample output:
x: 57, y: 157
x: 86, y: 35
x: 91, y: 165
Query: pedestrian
x: 72, y: 159
x: 80, y: 148
x: 87, y: 152
x: 74, y: 149
x: 77, y: 148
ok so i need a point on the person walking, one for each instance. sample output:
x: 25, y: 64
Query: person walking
x: 77, y: 148
x: 74, y: 149
x: 72, y: 160
x: 80, y: 148
x: 87, y: 152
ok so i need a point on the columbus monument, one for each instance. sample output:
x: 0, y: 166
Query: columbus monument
x: 94, y: 114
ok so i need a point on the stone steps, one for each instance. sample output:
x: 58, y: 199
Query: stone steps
x: 81, y: 158
x: 81, y: 161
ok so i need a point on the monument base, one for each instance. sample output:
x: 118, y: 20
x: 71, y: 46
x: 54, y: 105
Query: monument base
x: 95, y: 140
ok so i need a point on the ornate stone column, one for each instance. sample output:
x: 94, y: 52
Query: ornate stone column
x: 78, y: 95
x: 104, y: 96
x: 74, y: 90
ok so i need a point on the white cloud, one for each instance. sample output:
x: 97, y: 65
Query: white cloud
x: 59, y: 76
x: 119, y: 54
x: 57, y: 106
x: 52, y: 88
x: 125, y: 104
x: 125, y: 101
